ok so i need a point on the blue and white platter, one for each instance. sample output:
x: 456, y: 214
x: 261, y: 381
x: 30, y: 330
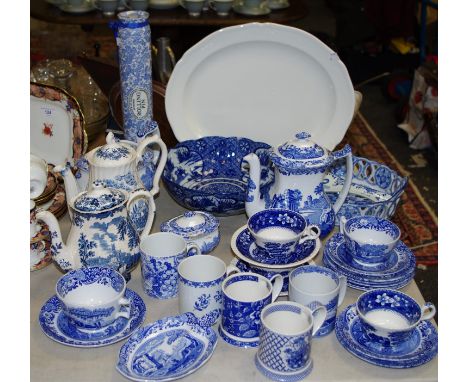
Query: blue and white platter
x: 57, y: 326
x: 167, y: 349
x: 396, y: 273
x: 244, y: 247
x: 420, y: 348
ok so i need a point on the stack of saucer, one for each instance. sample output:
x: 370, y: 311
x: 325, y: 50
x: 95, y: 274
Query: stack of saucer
x: 395, y: 273
x: 52, y: 198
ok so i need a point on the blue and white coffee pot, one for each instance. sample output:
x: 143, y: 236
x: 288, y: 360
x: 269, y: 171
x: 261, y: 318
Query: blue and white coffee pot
x: 300, y: 167
x: 102, y: 233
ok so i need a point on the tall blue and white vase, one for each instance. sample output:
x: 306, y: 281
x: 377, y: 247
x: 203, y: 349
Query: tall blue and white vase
x: 133, y: 35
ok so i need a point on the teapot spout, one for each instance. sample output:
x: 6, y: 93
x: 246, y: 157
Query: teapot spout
x: 59, y: 250
x: 71, y: 185
x: 253, y: 203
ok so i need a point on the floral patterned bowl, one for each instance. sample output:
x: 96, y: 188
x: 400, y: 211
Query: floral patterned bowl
x: 209, y: 174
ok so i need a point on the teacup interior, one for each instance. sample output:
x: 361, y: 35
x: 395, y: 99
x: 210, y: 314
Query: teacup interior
x: 202, y: 268
x: 277, y: 233
x: 246, y: 290
x: 387, y: 319
x: 369, y: 236
x: 314, y: 283
x: 372, y: 230
x: 90, y: 295
x: 163, y: 244
x: 287, y: 321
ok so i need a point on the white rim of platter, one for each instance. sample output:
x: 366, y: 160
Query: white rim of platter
x: 263, y: 81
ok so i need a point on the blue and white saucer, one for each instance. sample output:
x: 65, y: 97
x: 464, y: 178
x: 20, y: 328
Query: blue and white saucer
x: 284, y: 377
x: 398, y: 273
x: 244, y: 247
x: 59, y: 328
x: 419, y: 349
x: 167, y: 349
x: 237, y: 341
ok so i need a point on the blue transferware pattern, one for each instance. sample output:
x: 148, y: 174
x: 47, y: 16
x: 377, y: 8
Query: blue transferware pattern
x: 102, y: 232
x: 133, y: 35
x: 195, y: 226
x: 284, y: 354
x: 245, y: 244
x: 300, y: 167
x: 167, y: 349
x: 283, y: 377
x: 237, y: 341
x: 419, y: 349
x: 375, y: 189
x: 371, y: 252
x: 400, y: 269
x: 57, y: 327
x: 242, y: 319
x: 209, y: 174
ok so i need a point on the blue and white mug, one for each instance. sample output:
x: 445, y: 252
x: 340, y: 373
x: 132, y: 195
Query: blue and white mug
x: 310, y: 284
x: 200, y: 279
x: 285, y: 340
x: 245, y: 295
x: 161, y: 254
x: 92, y: 297
x: 389, y: 317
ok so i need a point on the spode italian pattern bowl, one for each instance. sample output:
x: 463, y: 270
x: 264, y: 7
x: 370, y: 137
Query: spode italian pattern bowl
x: 208, y: 173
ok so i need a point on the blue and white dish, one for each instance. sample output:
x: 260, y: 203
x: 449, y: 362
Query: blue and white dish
x: 209, y: 174
x: 400, y: 271
x: 244, y: 247
x: 57, y: 327
x: 419, y: 349
x: 197, y: 226
x: 167, y: 349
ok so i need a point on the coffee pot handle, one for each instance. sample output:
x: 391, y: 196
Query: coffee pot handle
x: 151, y: 210
x: 162, y: 158
x: 344, y: 152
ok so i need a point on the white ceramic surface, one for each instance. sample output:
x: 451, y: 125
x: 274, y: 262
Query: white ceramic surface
x: 256, y: 79
x: 37, y: 176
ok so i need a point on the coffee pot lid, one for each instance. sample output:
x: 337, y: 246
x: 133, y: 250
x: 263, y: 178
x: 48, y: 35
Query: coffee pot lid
x: 191, y: 224
x: 98, y: 199
x: 302, y: 147
x: 113, y: 153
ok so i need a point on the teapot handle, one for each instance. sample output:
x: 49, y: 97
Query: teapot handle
x: 162, y: 158
x: 151, y: 209
x: 344, y: 152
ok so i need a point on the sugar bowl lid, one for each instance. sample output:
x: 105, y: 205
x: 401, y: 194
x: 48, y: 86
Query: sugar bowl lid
x: 113, y: 153
x: 191, y: 224
x: 98, y: 199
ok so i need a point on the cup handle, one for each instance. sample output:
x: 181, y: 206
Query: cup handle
x: 277, y: 282
x: 319, y: 313
x: 194, y: 246
x: 312, y: 232
x: 342, y: 224
x: 343, y: 286
x: 124, y: 313
x: 428, y: 311
x: 231, y: 269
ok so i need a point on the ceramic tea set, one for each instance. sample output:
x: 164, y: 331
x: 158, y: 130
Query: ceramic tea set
x: 272, y: 296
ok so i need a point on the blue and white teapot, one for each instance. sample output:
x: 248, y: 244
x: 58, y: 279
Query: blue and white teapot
x: 101, y: 233
x: 300, y: 167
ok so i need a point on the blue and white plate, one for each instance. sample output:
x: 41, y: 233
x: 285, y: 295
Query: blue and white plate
x: 400, y: 270
x: 167, y: 349
x: 244, y: 247
x: 420, y: 348
x: 57, y: 327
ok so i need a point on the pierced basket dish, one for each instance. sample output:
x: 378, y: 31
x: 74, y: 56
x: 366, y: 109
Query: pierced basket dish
x: 375, y: 189
x: 208, y: 174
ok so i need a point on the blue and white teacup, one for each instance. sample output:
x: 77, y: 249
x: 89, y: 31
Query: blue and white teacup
x: 200, y: 279
x: 92, y: 297
x: 285, y: 340
x: 310, y: 284
x: 369, y: 239
x: 161, y: 254
x: 389, y: 317
x: 279, y: 231
x: 245, y: 295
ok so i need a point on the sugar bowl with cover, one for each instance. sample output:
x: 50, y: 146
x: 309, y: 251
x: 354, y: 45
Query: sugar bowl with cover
x: 195, y: 226
x: 102, y: 231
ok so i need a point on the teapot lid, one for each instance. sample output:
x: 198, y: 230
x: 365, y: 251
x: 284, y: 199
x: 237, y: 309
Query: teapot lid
x: 113, y: 153
x: 191, y: 224
x: 302, y: 147
x: 98, y: 199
